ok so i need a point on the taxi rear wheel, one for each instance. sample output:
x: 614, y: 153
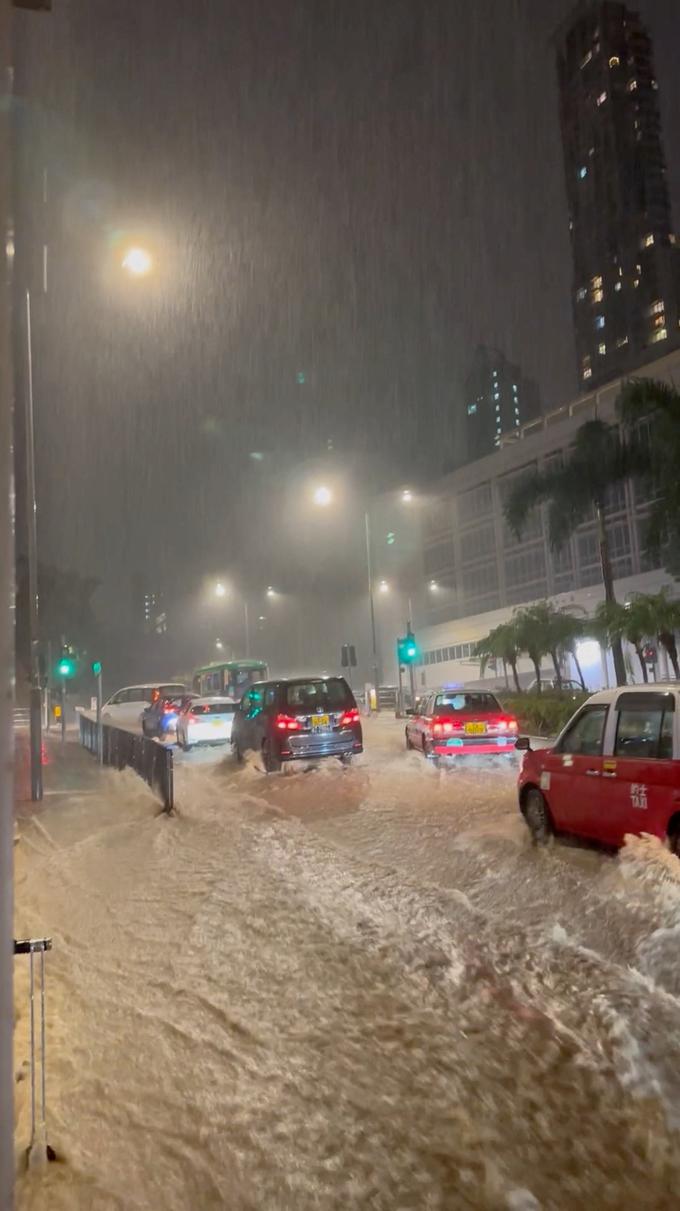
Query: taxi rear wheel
x: 409, y: 742
x: 673, y: 839
x: 537, y: 817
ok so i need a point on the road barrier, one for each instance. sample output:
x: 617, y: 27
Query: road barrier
x: 128, y: 750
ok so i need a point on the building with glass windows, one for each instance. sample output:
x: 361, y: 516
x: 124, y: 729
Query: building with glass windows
x: 498, y: 399
x: 626, y: 287
x: 475, y: 571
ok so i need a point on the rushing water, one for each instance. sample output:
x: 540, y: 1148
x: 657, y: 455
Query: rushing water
x: 350, y: 988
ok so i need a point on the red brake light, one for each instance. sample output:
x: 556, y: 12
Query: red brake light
x: 287, y: 723
x: 446, y: 726
x: 191, y: 719
x: 349, y: 717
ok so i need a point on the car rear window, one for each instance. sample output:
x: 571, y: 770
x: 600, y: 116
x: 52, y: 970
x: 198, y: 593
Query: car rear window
x: 311, y: 696
x: 465, y: 703
x: 213, y: 708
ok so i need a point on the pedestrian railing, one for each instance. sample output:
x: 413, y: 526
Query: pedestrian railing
x: 128, y: 750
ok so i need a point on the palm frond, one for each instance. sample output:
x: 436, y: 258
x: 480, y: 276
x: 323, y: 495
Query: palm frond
x: 527, y: 494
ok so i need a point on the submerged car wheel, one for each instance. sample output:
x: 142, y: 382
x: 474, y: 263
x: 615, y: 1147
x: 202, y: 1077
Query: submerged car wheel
x: 346, y: 758
x: 409, y: 742
x: 270, y: 758
x: 537, y: 817
x: 673, y: 839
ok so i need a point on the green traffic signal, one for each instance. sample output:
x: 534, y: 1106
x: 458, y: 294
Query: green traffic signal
x: 66, y: 667
x: 96, y: 667
x: 407, y: 649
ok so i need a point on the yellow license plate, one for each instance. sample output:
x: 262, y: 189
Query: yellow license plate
x: 320, y: 720
x: 475, y: 729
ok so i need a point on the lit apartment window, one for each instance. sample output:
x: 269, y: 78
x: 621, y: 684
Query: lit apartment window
x: 623, y: 340
x: 599, y: 321
x: 655, y: 84
x: 587, y: 373
x: 672, y: 239
x: 631, y: 86
x: 587, y: 59
x: 596, y: 282
x: 636, y: 282
x: 581, y: 294
x: 656, y: 308
x: 659, y: 321
x: 602, y: 98
x: 583, y: 171
x: 601, y: 349
x: 496, y: 395
x: 659, y: 335
x: 648, y: 240
x: 597, y: 296
x: 615, y: 61
x: 472, y: 409
x: 617, y: 287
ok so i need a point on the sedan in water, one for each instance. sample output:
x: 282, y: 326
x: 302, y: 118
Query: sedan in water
x: 297, y: 720
x: 456, y: 723
x: 613, y: 770
x: 205, y: 721
x: 160, y: 718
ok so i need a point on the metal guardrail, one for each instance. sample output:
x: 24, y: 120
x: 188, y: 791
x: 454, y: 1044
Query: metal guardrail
x: 128, y: 750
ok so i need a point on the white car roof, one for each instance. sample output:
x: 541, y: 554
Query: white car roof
x: 216, y: 698
x: 151, y: 685
x: 663, y: 687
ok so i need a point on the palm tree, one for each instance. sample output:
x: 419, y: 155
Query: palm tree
x: 533, y: 637
x: 500, y: 644
x: 661, y: 618
x: 657, y: 451
x: 614, y: 622
x: 598, y: 459
x: 567, y: 631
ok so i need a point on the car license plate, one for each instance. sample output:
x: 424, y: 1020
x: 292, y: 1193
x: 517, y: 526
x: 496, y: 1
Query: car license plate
x: 320, y: 722
x: 475, y: 729
x: 217, y: 722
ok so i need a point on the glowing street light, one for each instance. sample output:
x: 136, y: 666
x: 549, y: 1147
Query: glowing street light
x: 220, y: 589
x: 219, y: 645
x: 137, y: 262
x: 271, y: 591
x: 323, y: 496
x: 407, y: 496
x: 433, y: 586
x: 383, y: 587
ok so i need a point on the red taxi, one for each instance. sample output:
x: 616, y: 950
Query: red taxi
x: 455, y: 723
x: 615, y: 769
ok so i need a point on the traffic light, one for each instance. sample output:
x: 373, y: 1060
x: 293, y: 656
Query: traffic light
x: 96, y: 667
x: 67, y: 666
x: 407, y: 649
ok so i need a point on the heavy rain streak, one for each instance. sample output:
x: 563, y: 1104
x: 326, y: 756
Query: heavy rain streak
x: 342, y: 340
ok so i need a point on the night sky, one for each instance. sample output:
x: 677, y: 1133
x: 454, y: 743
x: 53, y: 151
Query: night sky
x: 353, y: 191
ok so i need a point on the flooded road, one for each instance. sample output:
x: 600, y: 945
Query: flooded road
x: 350, y: 988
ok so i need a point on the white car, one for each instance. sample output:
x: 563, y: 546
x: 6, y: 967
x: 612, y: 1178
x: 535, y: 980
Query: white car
x: 125, y: 708
x: 205, y: 721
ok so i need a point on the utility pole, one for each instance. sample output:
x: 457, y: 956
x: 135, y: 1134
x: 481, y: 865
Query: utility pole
x: 371, y: 602
x: 6, y: 652
x: 32, y: 545
x: 7, y: 662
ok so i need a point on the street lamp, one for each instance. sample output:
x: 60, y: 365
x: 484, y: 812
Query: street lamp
x: 137, y: 262
x: 407, y: 496
x: 220, y: 590
x: 384, y: 587
x: 323, y: 496
x: 219, y: 645
x: 271, y: 591
x: 433, y: 586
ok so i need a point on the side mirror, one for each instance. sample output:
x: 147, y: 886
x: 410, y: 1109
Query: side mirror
x: 523, y: 744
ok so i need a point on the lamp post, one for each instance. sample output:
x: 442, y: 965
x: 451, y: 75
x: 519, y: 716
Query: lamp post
x: 220, y: 590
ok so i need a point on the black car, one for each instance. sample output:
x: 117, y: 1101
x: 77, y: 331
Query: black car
x: 296, y: 720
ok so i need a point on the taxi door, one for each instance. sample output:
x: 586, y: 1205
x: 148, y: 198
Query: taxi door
x: 571, y: 777
x: 640, y: 778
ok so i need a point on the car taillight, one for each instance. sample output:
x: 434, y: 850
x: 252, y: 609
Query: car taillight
x: 287, y: 723
x: 349, y: 717
x: 192, y: 718
x: 444, y: 727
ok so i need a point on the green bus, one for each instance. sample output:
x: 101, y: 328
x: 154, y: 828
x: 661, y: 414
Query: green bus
x: 230, y: 678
